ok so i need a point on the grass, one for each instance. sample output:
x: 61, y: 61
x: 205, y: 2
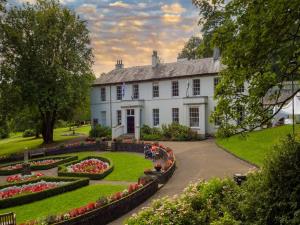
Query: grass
x: 62, y: 203
x: 257, y: 144
x: 127, y: 166
x: 16, y: 143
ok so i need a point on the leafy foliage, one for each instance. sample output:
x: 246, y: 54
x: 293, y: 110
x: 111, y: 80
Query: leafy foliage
x: 47, y: 60
x: 189, y: 50
x: 28, y: 133
x: 100, y: 131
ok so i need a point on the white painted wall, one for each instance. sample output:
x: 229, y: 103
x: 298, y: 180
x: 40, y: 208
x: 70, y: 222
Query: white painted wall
x: 165, y: 102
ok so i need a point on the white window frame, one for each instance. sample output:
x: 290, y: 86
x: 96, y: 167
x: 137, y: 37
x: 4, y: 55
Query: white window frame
x: 196, y: 88
x: 135, y: 91
x: 155, y: 90
x: 194, y: 114
x: 218, y: 120
x: 103, y: 94
x: 175, y: 115
x: 119, y: 92
x: 119, y: 117
x: 155, y: 117
x: 103, y: 118
x: 175, y: 88
x: 216, y: 82
x: 241, y: 112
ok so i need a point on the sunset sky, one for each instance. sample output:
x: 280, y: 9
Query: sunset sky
x: 130, y: 29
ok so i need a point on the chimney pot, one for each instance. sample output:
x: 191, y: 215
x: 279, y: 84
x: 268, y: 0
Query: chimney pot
x: 216, y: 53
x: 119, y: 64
x: 155, y: 59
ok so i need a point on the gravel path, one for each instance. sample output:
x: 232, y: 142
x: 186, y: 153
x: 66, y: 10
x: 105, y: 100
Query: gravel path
x: 195, y: 160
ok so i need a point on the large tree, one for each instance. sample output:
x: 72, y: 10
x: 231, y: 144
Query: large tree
x: 260, y: 42
x: 47, y: 59
x: 189, y: 50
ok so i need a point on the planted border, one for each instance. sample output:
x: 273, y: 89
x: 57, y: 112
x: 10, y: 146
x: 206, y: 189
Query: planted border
x: 75, y: 183
x: 65, y: 159
x: 62, y: 170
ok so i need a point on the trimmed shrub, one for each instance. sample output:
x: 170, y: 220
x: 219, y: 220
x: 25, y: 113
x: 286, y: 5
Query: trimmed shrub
x: 4, y: 132
x: 28, y: 133
x: 99, y: 131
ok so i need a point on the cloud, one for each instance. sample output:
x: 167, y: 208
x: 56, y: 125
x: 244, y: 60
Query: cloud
x: 119, y: 4
x: 171, y: 18
x: 87, y: 9
x: 175, y: 8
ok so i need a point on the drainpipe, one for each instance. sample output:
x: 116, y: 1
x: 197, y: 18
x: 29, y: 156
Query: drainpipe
x: 110, y: 107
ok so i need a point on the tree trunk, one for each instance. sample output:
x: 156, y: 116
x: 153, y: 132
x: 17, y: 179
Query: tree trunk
x: 47, y: 127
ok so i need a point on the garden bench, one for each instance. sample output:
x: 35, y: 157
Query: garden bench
x: 8, y: 219
x: 36, y: 153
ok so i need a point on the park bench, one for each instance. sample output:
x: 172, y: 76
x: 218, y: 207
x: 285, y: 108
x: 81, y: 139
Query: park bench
x: 36, y: 153
x: 8, y: 219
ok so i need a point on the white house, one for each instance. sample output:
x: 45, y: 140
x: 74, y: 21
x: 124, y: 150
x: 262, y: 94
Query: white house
x: 161, y: 93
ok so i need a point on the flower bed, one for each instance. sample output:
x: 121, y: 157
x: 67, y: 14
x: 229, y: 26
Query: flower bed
x: 30, y: 191
x: 20, y: 178
x: 37, y: 164
x: 105, y: 209
x: 94, y: 168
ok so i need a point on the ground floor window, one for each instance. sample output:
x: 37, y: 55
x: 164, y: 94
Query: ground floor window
x: 241, y: 114
x: 103, y: 118
x: 119, y: 117
x: 194, y: 116
x: 218, y: 120
x: 175, y: 115
x: 155, y: 117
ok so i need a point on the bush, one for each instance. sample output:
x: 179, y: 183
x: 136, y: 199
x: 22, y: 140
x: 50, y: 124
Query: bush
x: 100, y: 131
x: 28, y: 133
x: 174, y: 132
x: 4, y: 133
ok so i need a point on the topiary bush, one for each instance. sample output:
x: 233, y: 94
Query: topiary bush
x: 99, y: 131
x: 28, y: 133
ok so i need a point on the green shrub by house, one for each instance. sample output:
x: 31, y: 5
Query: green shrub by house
x: 99, y: 131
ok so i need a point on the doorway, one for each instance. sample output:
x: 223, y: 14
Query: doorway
x: 130, y: 121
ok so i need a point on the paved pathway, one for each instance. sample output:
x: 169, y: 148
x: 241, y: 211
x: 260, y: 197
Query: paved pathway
x: 195, y: 160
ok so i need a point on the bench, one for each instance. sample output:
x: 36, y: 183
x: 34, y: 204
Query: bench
x: 33, y: 154
x: 8, y: 219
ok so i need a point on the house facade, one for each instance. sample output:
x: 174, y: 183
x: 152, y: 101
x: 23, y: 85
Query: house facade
x: 127, y: 98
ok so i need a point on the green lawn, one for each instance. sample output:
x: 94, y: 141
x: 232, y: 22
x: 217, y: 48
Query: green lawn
x: 256, y: 144
x: 62, y: 203
x: 127, y: 166
x: 16, y: 143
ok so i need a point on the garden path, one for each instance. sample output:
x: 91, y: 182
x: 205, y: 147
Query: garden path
x: 195, y: 161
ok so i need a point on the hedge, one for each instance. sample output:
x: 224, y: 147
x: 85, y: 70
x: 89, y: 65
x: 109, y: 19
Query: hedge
x: 75, y: 183
x: 39, y: 167
x: 62, y: 170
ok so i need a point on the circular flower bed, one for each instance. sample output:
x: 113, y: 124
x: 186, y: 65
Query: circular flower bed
x: 13, y: 191
x: 19, y: 178
x: 93, y: 166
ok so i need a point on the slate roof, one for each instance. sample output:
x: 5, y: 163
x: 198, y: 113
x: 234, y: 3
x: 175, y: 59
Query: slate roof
x: 206, y: 66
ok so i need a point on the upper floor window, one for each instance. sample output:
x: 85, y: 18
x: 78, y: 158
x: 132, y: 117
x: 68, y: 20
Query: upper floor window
x: 119, y: 117
x: 119, y: 92
x: 216, y: 82
x: 196, y: 87
x: 175, y: 88
x: 155, y: 114
x: 194, y: 116
x: 175, y: 115
x: 103, y: 94
x: 240, y: 88
x: 155, y: 90
x: 135, y: 91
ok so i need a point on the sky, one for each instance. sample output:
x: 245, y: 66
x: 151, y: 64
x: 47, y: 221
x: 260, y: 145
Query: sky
x: 130, y: 29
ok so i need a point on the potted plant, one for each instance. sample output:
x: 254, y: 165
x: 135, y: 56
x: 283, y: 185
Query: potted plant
x: 157, y: 167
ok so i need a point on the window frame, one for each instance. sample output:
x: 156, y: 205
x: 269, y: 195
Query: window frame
x: 135, y: 91
x: 175, y: 115
x: 217, y: 120
x: 103, y: 118
x: 119, y: 92
x: 119, y: 117
x: 196, y: 89
x: 194, y: 116
x: 155, y: 90
x: 175, y: 91
x: 155, y: 117
x: 103, y: 94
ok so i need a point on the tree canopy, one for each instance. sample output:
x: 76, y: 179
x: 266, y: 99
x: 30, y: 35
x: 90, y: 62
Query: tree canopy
x: 190, y: 48
x: 260, y: 45
x: 47, y: 60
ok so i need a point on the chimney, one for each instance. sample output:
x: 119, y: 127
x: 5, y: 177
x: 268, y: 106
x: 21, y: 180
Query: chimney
x: 119, y: 64
x: 155, y: 59
x: 216, y: 54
